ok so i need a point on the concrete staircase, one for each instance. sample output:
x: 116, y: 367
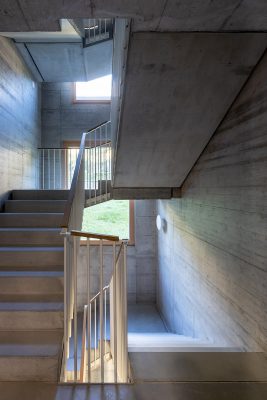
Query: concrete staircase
x: 31, y: 285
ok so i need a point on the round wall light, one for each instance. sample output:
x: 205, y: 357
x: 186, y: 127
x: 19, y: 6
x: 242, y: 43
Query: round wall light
x: 158, y: 222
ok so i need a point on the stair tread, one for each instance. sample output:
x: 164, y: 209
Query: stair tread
x: 13, y: 214
x: 31, y: 274
x: 29, y: 229
x: 31, y: 306
x: 29, y: 350
x: 30, y: 343
x: 31, y: 248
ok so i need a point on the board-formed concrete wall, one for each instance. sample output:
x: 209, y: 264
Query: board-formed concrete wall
x: 64, y: 120
x: 141, y: 260
x: 212, y: 257
x: 20, y: 122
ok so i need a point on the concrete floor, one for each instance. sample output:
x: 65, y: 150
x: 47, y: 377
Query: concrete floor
x: 163, y: 376
x: 138, y: 391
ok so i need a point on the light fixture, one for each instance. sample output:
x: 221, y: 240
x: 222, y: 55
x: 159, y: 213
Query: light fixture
x: 158, y: 222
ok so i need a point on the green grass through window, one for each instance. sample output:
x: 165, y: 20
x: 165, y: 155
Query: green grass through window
x: 110, y: 218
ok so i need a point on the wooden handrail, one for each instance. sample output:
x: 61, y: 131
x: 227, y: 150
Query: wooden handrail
x: 91, y: 235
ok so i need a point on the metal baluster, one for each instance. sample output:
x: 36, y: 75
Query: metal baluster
x: 106, y: 159
x: 95, y: 166
x: 115, y: 315
x: 70, y: 162
x: 95, y: 329
x: 48, y: 150
x: 66, y: 338
x: 101, y: 312
x: 54, y: 168
x: 89, y: 312
x: 105, y: 322
x: 43, y: 169
x: 100, y: 166
x: 59, y: 157
x: 75, y: 309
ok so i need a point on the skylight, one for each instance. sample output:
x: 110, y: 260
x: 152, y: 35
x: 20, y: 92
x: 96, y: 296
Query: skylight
x: 96, y: 90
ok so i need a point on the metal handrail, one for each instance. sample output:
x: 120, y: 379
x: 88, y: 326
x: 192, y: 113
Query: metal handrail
x: 74, y: 183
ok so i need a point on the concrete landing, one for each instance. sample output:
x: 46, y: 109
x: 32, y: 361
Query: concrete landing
x: 140, y: 391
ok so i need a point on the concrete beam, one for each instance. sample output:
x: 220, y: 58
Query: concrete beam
x: 150, y: 15
x: 144, y: 193
x: 178, y: 88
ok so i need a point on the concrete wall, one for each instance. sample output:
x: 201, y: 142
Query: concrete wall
x: 141, y: 260
x: 212, y: 257
x: 62, y: 119
x: 20, y: 129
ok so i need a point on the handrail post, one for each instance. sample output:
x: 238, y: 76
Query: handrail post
x: 125, y: 295
x: 101, y: 312
x: 115, y: 315
x: 89, y: 312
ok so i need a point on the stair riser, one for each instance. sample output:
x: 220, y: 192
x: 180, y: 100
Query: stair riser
x: 30, y: 220
x: 30, y: 320
x: 31, y: 258
x: 43, y: 369
x: 34, y: 238
x: 40, y: 194
x: 31, y: 286
x: 34, y: 206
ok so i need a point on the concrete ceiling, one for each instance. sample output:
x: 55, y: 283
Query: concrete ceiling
x: 156, y: 15
x: 178, y: 88
x: 68, y: 62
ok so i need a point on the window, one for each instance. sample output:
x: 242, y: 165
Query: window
x: 97, y: 90
x: 113, y: 217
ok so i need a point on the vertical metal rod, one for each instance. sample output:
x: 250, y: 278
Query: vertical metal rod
x: 115, y: 315
x: 90, y: 167
x: 87, y: 166
x: 65, y: 169
x: 125, y: 311
x: 95, y: 328
x: 100, y: 160
x: 101, y: 312
x: 75, y: 309
x: 88, y: 311
x: 66, y: 336
x: 60, y: 185
x: 99, y: 28
x: 105, y: 321
x: 54, y: 168
x: 70, y: 161
x: 95, y: 166
x: 43, y: 177
x: 106, y: 159
x: 48, y: 157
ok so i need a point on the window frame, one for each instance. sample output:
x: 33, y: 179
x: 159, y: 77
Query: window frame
x: 89, y: 101
x: 131, y: 241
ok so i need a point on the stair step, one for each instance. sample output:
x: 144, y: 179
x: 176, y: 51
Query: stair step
x: 162, y: 342
x: 30, y: 355
x: 31, y: 257
x: 27, y: 286
x: 31, y: 316
x: 31, y: 236
x: 32, y: 194
x: 35, y: 206
x: 24, y: 220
